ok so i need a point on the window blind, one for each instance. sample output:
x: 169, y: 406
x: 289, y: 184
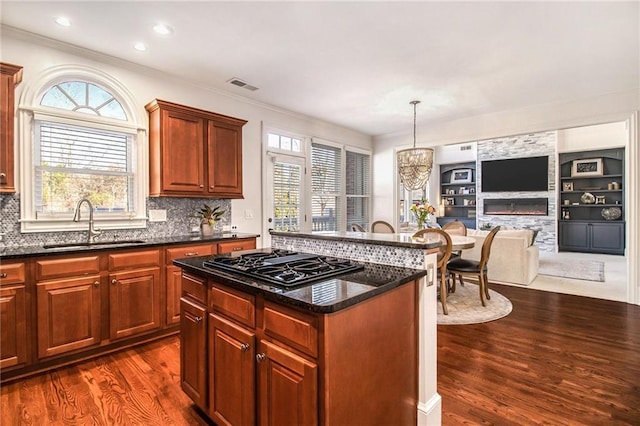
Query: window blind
x: 358, y: 178
x: 325, y: 187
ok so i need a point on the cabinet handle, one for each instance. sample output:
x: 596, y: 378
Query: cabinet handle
x: 237, y: 248
x: 191, y: 253
x: 114, y: 281
x: 3, y: 176
x: 198, y: 320
x: 201, y: 186
x: 244, y: 347
x: 3, y: 275
x: 96, y: 283
x: 261, y: 357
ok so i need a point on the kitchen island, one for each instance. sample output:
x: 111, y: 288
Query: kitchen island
x: 352, y: 349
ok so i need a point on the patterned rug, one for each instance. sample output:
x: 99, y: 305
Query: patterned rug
x: 465, y: 306
x: 589, y: 270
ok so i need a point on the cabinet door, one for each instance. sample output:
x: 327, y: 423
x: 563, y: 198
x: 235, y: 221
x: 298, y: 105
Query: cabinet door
x: 182, y: 153
x: 68, y: 314
x: 13, y: 326
x: 238, y: 245
x: 134, y: 302
x: 574, y: 236
x: 607, y: 238
x: 174, y: 289
x: 231, y: 373
x: 10, y: 76
x: 224, y: 170
x: 287, y: 388
x: 193, y: 363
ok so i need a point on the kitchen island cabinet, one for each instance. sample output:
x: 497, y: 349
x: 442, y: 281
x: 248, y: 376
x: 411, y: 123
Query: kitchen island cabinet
x: 299, y: 356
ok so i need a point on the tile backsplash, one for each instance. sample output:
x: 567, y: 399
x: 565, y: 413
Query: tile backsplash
x: 180, y: 221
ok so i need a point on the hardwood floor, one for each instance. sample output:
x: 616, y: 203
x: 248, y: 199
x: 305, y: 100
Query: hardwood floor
x: 556, y: 359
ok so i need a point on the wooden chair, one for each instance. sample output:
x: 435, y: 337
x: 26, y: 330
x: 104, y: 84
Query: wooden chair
x: 464, y: 267
x: 357, y: 228
x: 382, y: 227
x: 444, y: 254
x: 455, y: 228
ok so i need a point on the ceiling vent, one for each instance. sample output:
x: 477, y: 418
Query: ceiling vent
x: 465, y: 147
x: 237, y: 82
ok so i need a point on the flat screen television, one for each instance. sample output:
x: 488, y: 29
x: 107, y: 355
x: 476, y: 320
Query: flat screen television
x: 515, y: 174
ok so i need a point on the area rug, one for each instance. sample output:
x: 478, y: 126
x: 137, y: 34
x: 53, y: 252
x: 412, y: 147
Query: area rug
x: 589, y: 270
x: 465, y: 307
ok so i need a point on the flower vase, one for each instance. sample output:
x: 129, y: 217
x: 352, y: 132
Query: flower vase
x: 420, y: 223
x: 206, y: 229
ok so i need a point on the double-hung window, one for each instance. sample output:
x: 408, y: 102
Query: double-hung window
x: 326, y: 187
x: 358, y: 184
x: 85, y: 144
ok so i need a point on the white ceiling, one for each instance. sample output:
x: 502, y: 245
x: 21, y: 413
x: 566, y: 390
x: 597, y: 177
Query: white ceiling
x: 358, y: 64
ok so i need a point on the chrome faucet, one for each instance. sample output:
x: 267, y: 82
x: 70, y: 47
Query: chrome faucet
x: 76, y: 218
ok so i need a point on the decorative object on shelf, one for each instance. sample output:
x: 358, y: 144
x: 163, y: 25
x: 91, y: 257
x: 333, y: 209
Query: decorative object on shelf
x: 450, y: 201
x: 616, y: 185
x: 566, y: 202
x: 611, y: 213
x: 415, y: 164
x: 461, y: 176
x: 567, y: 186
x: 422, y: 210
x: 587, y: 198
x: 208, y: 218
x: 600, y: 199
x: 565, y: 214
x: 587, y: 167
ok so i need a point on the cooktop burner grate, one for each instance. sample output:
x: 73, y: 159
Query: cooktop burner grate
x: 282, y: 267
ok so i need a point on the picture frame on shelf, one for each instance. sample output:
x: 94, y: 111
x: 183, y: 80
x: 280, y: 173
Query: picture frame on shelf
x: 567, y: 186
x: 600, y: 199
x: 461, y: 176
x: 587, y: 167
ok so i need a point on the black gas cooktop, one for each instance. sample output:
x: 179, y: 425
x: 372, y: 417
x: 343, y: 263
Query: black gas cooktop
x: 283, y: 267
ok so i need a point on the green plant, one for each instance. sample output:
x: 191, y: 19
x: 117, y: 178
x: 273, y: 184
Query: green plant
x: 486, y: 227
x: 209, y: 215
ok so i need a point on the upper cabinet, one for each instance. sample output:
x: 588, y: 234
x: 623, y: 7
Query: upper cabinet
x: 10, y: 76
x: 193, y: 153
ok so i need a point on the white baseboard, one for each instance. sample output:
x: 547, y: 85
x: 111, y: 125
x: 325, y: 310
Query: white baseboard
x: 430, y: 413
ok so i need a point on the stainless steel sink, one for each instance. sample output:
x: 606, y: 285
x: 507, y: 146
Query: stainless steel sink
x: 94, y: 244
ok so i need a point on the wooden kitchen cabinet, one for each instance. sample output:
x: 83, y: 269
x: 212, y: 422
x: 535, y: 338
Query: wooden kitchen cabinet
x: 193, y: 363
x: 10, y: 77
x: 236, y: 245
x: 14, y: 339
x: 232, y: 387
x: 173, y: 276
x: 69, y: 303
x: 193, y: 153
x: 134, y: 293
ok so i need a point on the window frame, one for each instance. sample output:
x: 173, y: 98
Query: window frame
x: 30, y: 111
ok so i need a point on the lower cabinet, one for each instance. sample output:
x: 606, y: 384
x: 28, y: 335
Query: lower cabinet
x: 14, y: 338
x: 232, y: 371
x: 592, y: 237
x: 193, y: 352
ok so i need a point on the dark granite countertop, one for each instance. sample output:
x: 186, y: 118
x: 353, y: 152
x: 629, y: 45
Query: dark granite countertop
x: 395, y: 240
x: 326, y: 296
x: 33, y: 251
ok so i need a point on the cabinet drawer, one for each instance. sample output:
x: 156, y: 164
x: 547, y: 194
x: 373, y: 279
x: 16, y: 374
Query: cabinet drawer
x: 234, y: 304
x: 67, y: 267
x: 293, y: 328
x: 12, y: 273
x: 238, y: 245
x: 189, y: 251
x: 135, y: 259
x: 194, y: 288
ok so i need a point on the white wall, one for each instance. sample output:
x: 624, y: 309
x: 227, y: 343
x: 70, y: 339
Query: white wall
x: 585, y: 138
x: 36, y: 54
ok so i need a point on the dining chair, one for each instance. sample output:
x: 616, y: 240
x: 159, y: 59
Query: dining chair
x: 357, y: 228
x: 382, y: 227
x: 455, y: 228
x: 465, y: 267
x: 444, y: 254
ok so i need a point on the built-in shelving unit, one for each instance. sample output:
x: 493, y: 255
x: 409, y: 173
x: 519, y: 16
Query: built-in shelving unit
x: 458, y: 193
x: 592, y: 214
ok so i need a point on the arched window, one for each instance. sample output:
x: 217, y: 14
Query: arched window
x: 85, y: 145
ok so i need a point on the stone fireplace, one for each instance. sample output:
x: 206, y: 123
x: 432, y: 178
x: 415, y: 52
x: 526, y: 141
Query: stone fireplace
x: 516, y: 206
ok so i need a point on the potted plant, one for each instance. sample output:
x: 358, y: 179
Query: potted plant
x: 209, y: 216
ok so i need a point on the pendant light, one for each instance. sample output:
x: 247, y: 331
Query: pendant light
x: 415, y: 164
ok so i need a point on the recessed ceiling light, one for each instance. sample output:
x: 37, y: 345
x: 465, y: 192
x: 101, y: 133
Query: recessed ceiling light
x: 140, y: 46
x: 63, y: 21
x: 162, y: 29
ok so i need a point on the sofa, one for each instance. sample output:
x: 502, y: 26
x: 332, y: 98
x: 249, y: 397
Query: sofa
x: 514, y: 256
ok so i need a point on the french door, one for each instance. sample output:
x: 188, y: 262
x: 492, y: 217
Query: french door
x: 285, y: 200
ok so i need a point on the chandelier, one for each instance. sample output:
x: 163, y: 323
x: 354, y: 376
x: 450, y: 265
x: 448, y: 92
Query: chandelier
x: 415, y: 164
